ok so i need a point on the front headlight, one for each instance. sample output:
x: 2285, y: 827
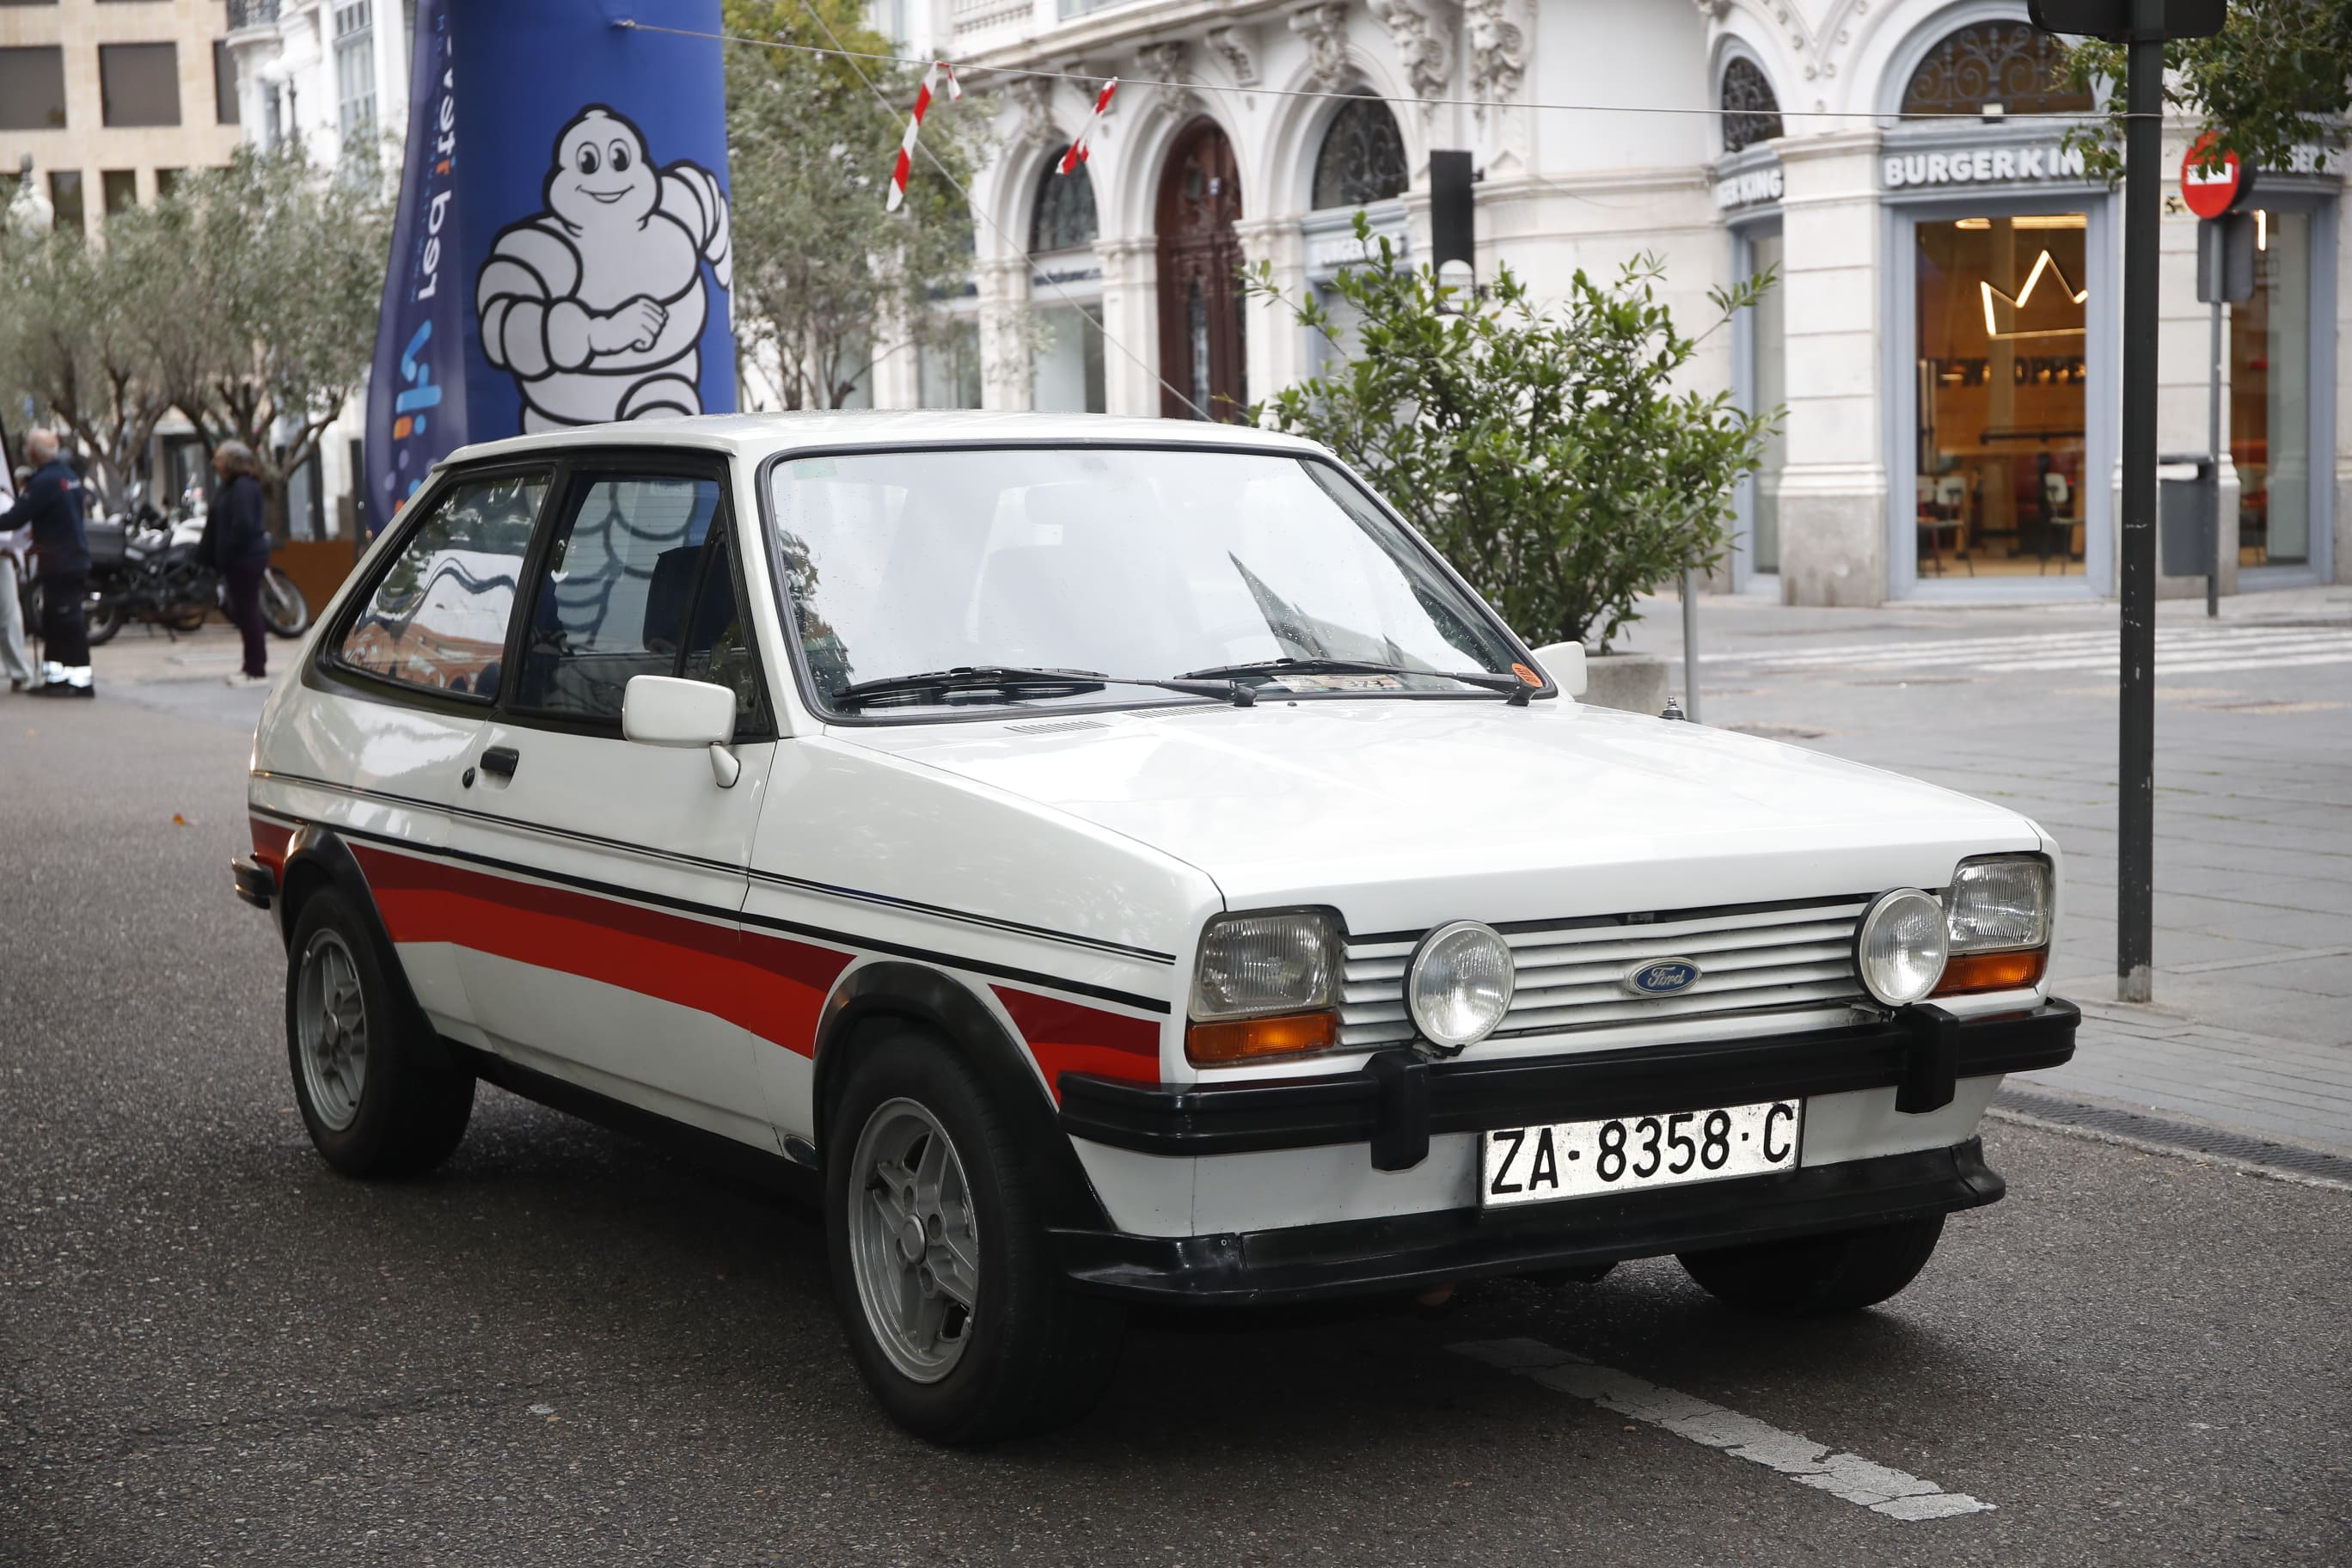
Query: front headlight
x: 1901, y: 946
x: 1267, y: 985
x: 1459, y: 983
x: 2000, y: 902
x: 1998, y: 922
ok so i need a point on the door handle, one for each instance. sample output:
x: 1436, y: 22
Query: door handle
x: 502, y: 760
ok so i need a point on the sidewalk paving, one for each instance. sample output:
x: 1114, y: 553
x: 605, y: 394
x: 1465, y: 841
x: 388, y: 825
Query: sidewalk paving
x: 2252, y: 1023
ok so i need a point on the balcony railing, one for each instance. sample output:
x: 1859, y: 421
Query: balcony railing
x: 975, y: 16
x: 251, y: 13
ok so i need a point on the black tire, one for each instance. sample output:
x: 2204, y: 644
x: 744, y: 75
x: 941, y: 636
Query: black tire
x: 1035, y: 1356
x: 106, y: 617
x: 403, y: 1108
x: 285, y: 609
x: 1818, y: 1275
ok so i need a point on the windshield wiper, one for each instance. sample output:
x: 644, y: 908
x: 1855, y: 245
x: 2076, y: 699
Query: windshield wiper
x: 1016, y: 677
x: 1509, y: 687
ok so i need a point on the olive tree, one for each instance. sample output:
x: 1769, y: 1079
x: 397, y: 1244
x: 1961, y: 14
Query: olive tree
x: 258, y: 286
x: 1546, y: 450
x: 69, y: 341
x: 821, y: 270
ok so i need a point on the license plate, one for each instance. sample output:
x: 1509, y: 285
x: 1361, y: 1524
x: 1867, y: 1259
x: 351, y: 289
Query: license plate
x: 1635, y: 1154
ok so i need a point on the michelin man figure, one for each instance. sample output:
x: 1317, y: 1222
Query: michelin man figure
x: 596, y: 305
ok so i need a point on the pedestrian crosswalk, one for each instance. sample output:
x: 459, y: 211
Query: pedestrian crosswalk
x: 2179, y: 651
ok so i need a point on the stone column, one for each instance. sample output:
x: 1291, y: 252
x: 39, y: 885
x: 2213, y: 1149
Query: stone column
x: 1130, y: 321
x: 1270, y: 330
x: 1833, y: 499
x: 1005, y: 380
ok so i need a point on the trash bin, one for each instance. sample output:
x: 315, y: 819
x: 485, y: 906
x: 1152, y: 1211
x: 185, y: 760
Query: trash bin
x: 2185, y: 516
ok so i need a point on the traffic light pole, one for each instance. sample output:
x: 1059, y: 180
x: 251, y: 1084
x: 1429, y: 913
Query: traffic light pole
x: 2135, y: 751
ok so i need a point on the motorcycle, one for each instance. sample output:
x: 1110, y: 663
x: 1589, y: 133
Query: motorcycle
x: 143, y: 568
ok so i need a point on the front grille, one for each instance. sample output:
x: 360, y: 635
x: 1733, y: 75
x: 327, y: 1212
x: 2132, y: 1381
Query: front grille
x: 1750, y: 959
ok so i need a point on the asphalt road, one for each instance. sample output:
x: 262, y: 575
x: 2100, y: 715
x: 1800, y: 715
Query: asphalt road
x: 568, y: 1349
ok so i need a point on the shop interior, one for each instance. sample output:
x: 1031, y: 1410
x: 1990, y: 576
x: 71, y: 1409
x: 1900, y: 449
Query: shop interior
x: 2001, y: 395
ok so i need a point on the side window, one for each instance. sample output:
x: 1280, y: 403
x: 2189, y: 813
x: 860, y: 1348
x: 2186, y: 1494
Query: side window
x: 616, y: 598
x: 718, y: 640
x: 438, y: 616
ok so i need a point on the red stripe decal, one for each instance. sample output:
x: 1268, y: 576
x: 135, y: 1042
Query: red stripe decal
x: 271, y: 840
x: 1066, y: 1038
x: 768, y: 985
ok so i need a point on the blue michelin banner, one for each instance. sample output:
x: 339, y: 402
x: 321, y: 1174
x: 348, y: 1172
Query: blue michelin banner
x: 560, y: 256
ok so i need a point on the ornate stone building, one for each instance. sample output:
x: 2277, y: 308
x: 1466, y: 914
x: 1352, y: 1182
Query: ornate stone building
x: 1945, y: 334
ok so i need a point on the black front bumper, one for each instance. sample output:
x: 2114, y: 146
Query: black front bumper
x: 1398, y: 1101
x: 1369, y: 1257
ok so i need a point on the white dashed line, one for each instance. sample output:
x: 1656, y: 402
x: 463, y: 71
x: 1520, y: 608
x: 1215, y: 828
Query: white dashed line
x: 1803, y: 1460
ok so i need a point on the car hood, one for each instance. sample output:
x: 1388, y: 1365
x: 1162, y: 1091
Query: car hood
x: 1402, y: 811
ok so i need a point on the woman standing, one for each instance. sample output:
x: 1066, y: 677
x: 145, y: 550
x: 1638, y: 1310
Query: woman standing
x: 236, y: 545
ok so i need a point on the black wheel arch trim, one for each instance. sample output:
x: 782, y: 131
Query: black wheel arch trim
x: 1396, y: 1103
x: 317, y: 848
x: 916, y: 993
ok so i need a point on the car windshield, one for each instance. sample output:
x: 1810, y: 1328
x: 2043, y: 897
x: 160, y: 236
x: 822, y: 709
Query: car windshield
x: 1122, y: 561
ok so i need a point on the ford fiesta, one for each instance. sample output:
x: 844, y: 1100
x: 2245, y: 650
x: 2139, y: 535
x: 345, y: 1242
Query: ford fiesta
x: 1125, y: 864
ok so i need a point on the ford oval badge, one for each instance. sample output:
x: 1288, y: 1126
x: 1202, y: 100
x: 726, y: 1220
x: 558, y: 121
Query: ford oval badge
x: 1661, y: 977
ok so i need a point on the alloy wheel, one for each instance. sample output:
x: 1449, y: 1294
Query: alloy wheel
x: 914, y: 1240
x: 331, y: 1027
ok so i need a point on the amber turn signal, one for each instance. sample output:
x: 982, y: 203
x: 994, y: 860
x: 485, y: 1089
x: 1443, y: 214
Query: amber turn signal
x: 1254, y: 1039
x: 2017, y: 971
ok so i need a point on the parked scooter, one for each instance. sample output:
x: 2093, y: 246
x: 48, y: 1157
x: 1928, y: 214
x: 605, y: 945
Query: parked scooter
x: 143, y: 568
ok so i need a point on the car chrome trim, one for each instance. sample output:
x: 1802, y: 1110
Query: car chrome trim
x: 880, y: 901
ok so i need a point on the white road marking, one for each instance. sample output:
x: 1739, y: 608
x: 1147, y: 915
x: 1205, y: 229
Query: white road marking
x: 2185, y: 637
x: 1848, y: 1475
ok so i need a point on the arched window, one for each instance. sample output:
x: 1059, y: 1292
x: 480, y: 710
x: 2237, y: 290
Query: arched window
x: 1063, y: 215
x: 2009, y: 64
x: 1750, y: 111
x: 1362, y: 159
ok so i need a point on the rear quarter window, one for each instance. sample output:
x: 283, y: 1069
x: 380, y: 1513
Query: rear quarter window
x: 437, y: 617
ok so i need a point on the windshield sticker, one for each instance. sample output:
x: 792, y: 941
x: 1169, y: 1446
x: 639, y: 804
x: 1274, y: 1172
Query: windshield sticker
x: 1337, y: 683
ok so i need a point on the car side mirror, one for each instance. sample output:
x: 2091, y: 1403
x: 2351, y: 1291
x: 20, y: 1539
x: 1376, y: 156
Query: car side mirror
x: 662, y: 710
x: 1564, y: 662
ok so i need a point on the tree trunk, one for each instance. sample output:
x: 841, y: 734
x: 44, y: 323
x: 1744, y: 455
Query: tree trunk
x: 273, y: 506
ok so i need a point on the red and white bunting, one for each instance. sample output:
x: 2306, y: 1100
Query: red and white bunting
x: 914, y: 124
x: 1077, y: 152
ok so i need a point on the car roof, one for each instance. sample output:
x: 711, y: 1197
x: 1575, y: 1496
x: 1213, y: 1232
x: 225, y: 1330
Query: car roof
x: 756, y: 435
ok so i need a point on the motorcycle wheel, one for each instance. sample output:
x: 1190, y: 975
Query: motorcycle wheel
x: 284, y: 609
x: 106, y: 616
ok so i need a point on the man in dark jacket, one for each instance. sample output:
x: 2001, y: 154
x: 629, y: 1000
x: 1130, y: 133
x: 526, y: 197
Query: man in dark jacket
x: 52, y: 506
x: 236, y: 545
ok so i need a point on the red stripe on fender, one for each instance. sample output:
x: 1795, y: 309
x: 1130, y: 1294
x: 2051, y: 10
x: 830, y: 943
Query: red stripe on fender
x: 1066, y: 1038
x: 270, y: 841
x: 770, y: 985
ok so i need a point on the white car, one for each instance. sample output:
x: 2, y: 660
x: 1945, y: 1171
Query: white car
x: 1127, y: 865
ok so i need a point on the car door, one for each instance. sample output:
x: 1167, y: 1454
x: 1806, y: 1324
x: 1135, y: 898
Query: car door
x: 405, y: 682
x: 618, y: 962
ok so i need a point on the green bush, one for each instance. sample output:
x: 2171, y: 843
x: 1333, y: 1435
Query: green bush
x: 1547, y: 452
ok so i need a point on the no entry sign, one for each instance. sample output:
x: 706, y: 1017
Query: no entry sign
x: 2209, y: 193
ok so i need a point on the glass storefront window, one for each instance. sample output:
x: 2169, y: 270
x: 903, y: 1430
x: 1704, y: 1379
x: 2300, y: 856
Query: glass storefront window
x: 948, y: 372
x: 1768, y: 387
x: 2001, y: 378
x: 1068, y: 369
x: 2270, y: 396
